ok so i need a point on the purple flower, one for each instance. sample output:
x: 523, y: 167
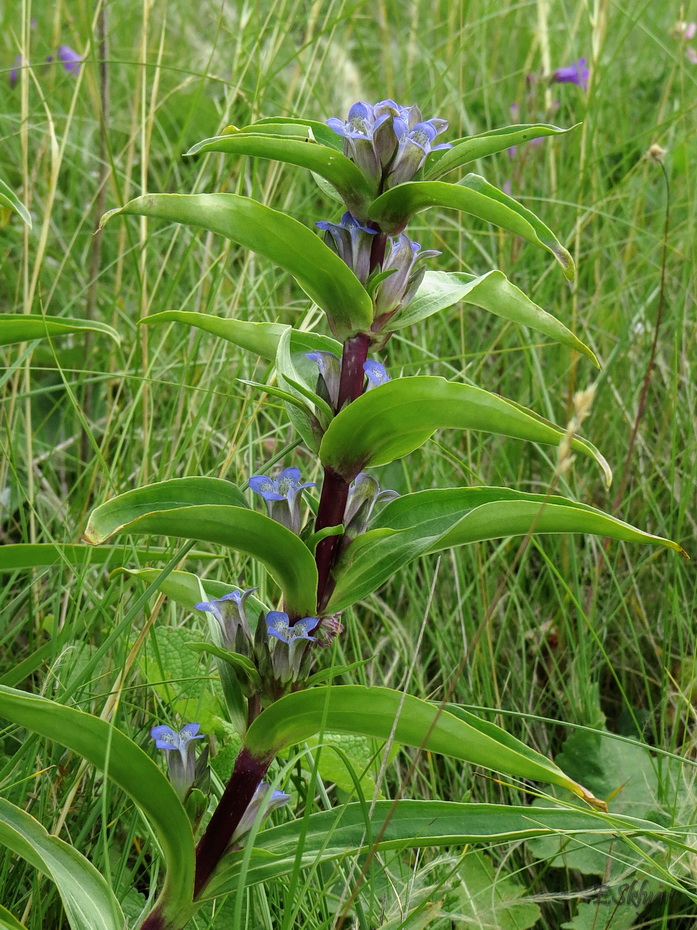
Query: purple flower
x: 329, y: 375
x: 287, y: 662
x: 352, y: 242
x: 376, y: 373
x: 229, y: 611
x: 388, y: 138
x: 182, y: 763
x: 13, y: 76
x: 364, y: 494
x: 575, y: 73
x: 70, y: 58
x: 282, y: 496
x: 259, y: 802
x: 398, y: 289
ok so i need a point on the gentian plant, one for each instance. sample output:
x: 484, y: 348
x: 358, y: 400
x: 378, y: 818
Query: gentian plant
x: 327, y: 544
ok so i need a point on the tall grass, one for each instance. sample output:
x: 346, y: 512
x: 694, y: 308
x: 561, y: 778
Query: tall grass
x: 576, y: 633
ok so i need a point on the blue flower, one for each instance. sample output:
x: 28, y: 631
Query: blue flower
x: 282, y: 496
x: 229, y: 611
x: 329, y: 375
x: 364, y: 494
x: 388, y: 138
x: 182, y: 763
x: 287, y: 662
x: 575, y: 73
x: 376, y: 373
x: 352, y: 242
x: 70, y: 58
x: 259, y: 801
x: 400, y: 287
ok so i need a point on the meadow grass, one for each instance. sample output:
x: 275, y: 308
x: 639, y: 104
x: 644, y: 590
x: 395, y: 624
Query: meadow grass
x: 563, y: 632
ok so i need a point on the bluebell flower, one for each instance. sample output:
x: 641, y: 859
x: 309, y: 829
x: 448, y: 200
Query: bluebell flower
x: 352, y: 242
x: 229, y: 611
x: 388, y: 138
x: 72, y: 62
x: 181, y: 763
x: 287, y: 662
x: 376, y: 373
x: 282, y: 496
x: 575, y: 73
x: 329, y: 375
x: 259, y: 800
x: 364, y: 494
x: 399, y: 288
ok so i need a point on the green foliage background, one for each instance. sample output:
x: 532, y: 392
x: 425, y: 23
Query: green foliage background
x: 564, y: 631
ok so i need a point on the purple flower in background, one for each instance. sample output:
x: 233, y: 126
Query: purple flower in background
x: 352, y: 242
x: 70, y: 59
x: 259, y: 801
x: 13, y: 76
x: 287, y: 662
x: 376, y: 373
x: 182, y: 762
x: 575, y: 73
x: 229, y: 611
x: 282, y: 496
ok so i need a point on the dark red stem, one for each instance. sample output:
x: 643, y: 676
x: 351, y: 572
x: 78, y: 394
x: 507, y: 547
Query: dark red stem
x: 244, y: 781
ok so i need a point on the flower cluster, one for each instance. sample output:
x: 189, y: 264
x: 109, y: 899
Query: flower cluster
x: 68, y: 57
x: 685, y: 32
x: 282, y: 496
x: 181, y: 759
x: 388, y: 142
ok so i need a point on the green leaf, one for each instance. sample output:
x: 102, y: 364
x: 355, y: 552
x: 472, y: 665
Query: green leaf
x: 16, y: 556
x: 233, y: 659
x: 260, y: 338
x: 491, y: 291
x: 489, y: 897
x: 472, y: 195
x: 429, y: 521
x: 320, y: 272
x: 297, y: 128
x: 116, y: 513
x: 346, y: 177
x: 8, y: 921
x: 89, y: 902
x: 329, y: 835
x: 470, y: 149
x: 379, y: 712
x: 160, y: 512
x: 23, y: 327
x: 11, y: 201
x: 185, y: 588
x: 398, y: 417
x: 130, y: 768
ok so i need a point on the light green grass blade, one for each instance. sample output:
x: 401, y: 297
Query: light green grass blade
x: 23, y: 327
x: 11, y: 201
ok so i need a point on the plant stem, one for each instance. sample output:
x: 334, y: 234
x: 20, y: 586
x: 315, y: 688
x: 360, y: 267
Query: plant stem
x: 239, y: 791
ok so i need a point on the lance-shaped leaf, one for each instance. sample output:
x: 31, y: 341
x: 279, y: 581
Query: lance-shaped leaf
x: 8, y: 921
x: 429, y: 521
x: 89, y: 902
x: 317, y: 269
x: 328, y: 835
x: 170, y: 508
x: 295, y: 127
x: 348, y: 179
x: 23, y: 327
x: 11, y: 201
x: 475, y: 196
x: 403, y: 414
x: 471, y: 148
x: 260, y: 338
x: 378, y: 712
x: 491, y: 291
x: 16, y: 556
x: 130, y: 768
